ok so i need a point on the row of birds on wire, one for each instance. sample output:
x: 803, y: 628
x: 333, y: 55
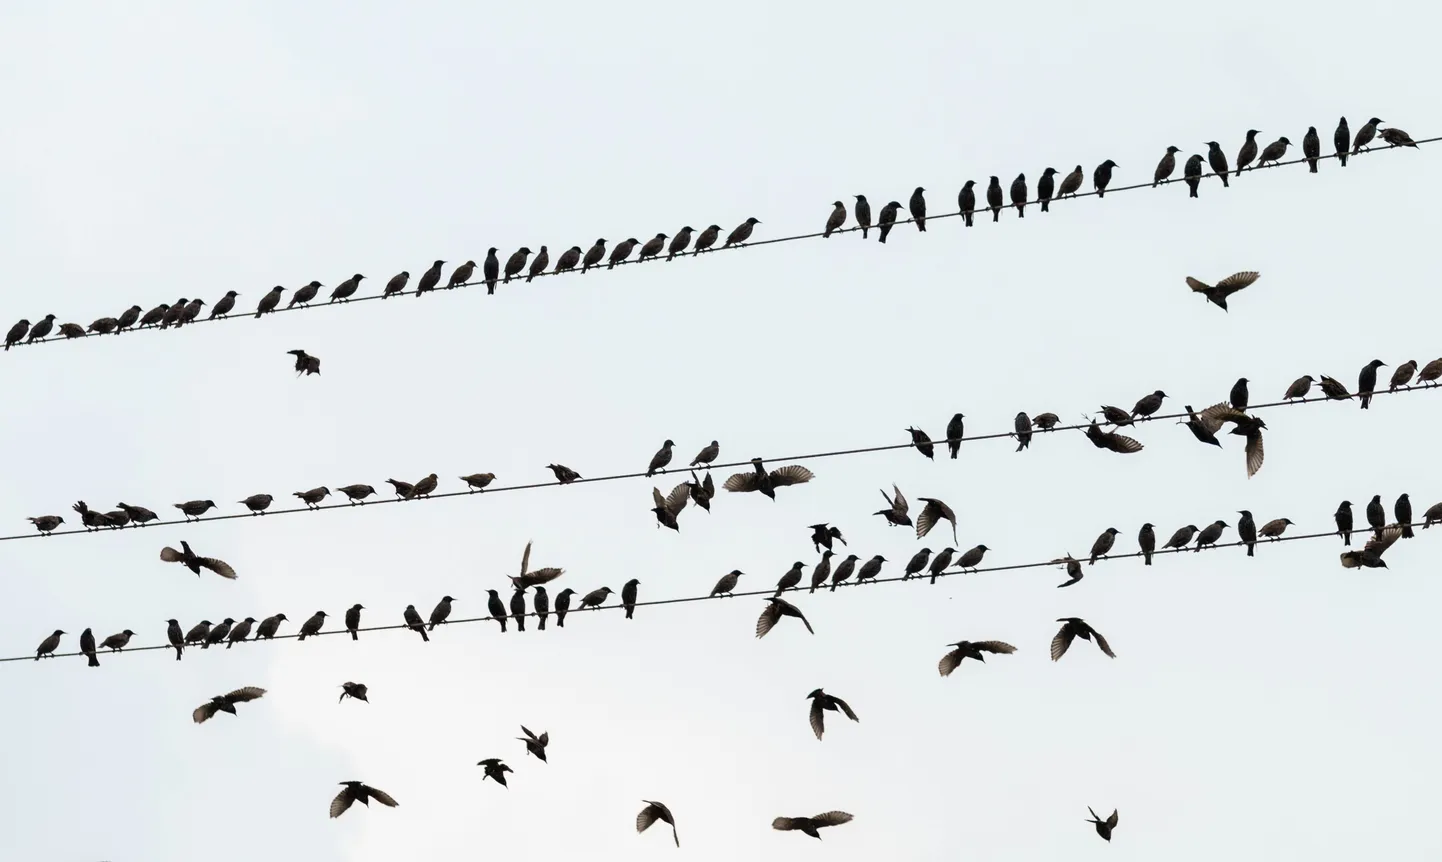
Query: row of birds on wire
x: 525, y: 262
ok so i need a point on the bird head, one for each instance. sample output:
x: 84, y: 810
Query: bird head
x: 817, y: 693
x: 1174, y: 149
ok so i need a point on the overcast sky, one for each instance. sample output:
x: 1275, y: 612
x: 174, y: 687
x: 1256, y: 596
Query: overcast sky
x: 1275, y: 707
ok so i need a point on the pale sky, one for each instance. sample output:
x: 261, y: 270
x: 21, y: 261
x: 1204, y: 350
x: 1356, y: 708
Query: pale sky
x: 1273, y: 708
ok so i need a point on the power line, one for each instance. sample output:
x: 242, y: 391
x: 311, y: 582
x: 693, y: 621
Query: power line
x: 1261, y: 543
x: 249, y: 315
x: 366, y: 504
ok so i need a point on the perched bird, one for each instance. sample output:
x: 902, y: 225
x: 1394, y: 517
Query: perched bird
x: 401, y: 488
x: 72, y: 330
x: 742, y: 232
x: 994, y: 199
x: 863, y: 214
x: 914, y: 566
x: 1433, y: 515
x: 973, y: 650
x: 1341, y: 140
x: 1192, y: 173
x: 966, y: 200
x: 153, y: 317
x: 1201, y: 430
x: 397, y: 284
x: 118, y: 641
x: 823, y: 534
x: 775, y: 610
x: 870, y: 569
x: 835, y: 220
x: 423, y: 488
x: 43, y: 327
x: 312, y: 497
x: 1274, y: 151
x: 1217, y: 294
x: 462, y: 274
x: 194, y: 508
x: 311, y: 626
x: 16, y: 333
x: 668, y: 508
x: 1073, y: 570
x: 843, y: 571
x: 809, y: 825
x: 596, y: 598
x: 198, y: 633
x: 708, y: 454
x: 1397, y: 138
x: 139, y: 515
x: 922, y: 442
x: 440, y: 613
x: 622, y: 251
x: 1376, y: 514
x: 355, y: 791
x: 476, y: 481
x: 87, y: 648
x: 542, y: 603
x: 1148, y: 405
x: 1116, y: 415
x: 356, y: 493
x: 656, y: 811
x: 1365, y: 135
x: 971, y: 558
x: 565, y: 475
x: 1147, y: 541
x: 1073, y: 627
x: 1333, y: 389
x: 1217, y: 160
x: 1103, y: 544
x: 822, y: 571
x: 1403, y: 510
x: 50, y: 644
x: 413, y: 621
x: 570, y: 258
x: 820, y: 703
x: 679, y: 242
x: 303, y: 295
x: 1112, y: 441
x: 628, y: 597
x: 1044, y: 188
x: 1022, y: 427
x: 175, y: 638
x: 1104, y: 827
x: 131, y: 315
x: 495, y: 770
x: 225, y: 703
x: 430, y: 278
x: 897, y: 508
x: 496, y: 608
x: 240, y: 632
x: 887, y: 220
x: 707, y: 238
x: 766, y: 482
x: 563, y: 605
x: 1045, y: 421
x: 1239, y: 397
x: 171, y: 318
x: 1343, y: 519
x: 1402, y: 375
x: 955, y: 431
x: 660, y: 459
x: 270, y: 625
x: 727, y: 583
x: 1299, y: 388
x: 1019, y: 195
x: 1071, y: 183
x: 267, y: 303
x: 917, y: 205
x: 1210, y: 534
x: 1247, y: 531
x: 594, y: 255
x: 1248, y: 152
x: 514, y: 264
x: 934, y: 510
x: 1367, y: 381
x: 518, y: 608
x: 538, y: 265
x: 343, y: 291
x: 531, y: 578
x: 356, y: 690
x: 257, y: 503
x: 305, y: 363
x: 1102, y: 176
x: 1311, y: 148
x: 1430, y: 372
x: 1370, y: 556
x: 1165, y: 166
x: 790, y: 579
x: 195, y: 562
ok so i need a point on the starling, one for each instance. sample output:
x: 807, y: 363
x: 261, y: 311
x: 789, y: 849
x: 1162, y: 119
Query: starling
x: 656, y: 811
x: 90, y: 519
x: 1147, y: 541
x: 1311, y: 148
x: 1376, y: 514
x: 708, y: 454
x: 1238, y: 397
x: 397, y: 284
x: 152, y: 317
x: 1430, y: 372
x: 572, y: 256
x: 1072, y: 627
x: 1192, y: 173
x: 1432, y: 516
x: 50, y: 644
x: 1166, y: 166
x: 742, y: 232
x: 225, y: 703
x: 809, y: 825
x: 1248, y: 152
x: 620, y: 252
x: 1104, y: 827
x: 267, y: 303
x: 1371, y: 554
x: 565, y: 475
x: 775, y: 610
x: 820, y: 703
x: 966, y: 200
x: 529, y: 577
x: 653, y: 247
x: 356, y: 690
x: 1044, y: 188
x: 195, y: 562
x: 514, y: 264
x: 596, y: 598
x: 496, y: 608
x: 563, y: 605
x: 42, y: 329
x: 668, y: 508
x: 1022, y: 426
x: 1247, y: 531
x: 887, y: 220
x: 1218, y: 161
x: 628, y: 597
x: 1018, y: 195
x: 1103, y: 544
x: 914, y: 566
x: 1365, y: 135
x: 594, y: 255
x: 993, y: 198
x: 934, y: 510
x: 1403, y: 375
x: 897, y: 508
x: 1148, y: 405
x: 343, y: 291
x: 270, y: 625
x: 105, y: 325
x: 843, y: 571
x: 1210, y: 534
x: 401, y: 488
x: 538, y: 265
x: 172, y: 315
x: 1397, y: 138
x: 72, y: 330
x: 1073, y: 570
x: 440, y: 613
x: 1045, y: 421
x: 1181, y: 538
x: 727, y: 583
x: 542, y: 604
x: 355, y: 791
x: 1341, y: 140
x: 1102, y: 176
x: 117, y: 518
x: 955, y: 432
x: 218, y: 633
x: 1274, y: 151
x: 1071, y: 183
x: 707, y: 238
x: 1110, y: 440
x: 118, y: 641
x: 1343, y: 519
x: 1367, y: 381
x: 518, y: 608
x: 197, y: 634
x: 835, y: 220
x: 790, y: 579
x: 822, y: 571
x: 1115, y: 415
x: 356, y: 493
x: 131, y: 315
x: 413, y: 621
x: 535, y: 745
x: 1334, y: 389
x: 302, y: 295
x: 1275, y: 528
x: 922, y: 442
x: 87, y: 648
x: 971, y: 649
x: 863, y: 215
x: 462, y: 274
x: 312, y: 497
x: 660, y: 459
x: 1403, y: 510
x: 174, y: 636
x: 430, y: 278
x: 312, y: 625
x: 970, y: 559
x: 476, y: 481
x: 678, y: 242
x: 870, y: 569
x: 1299, y: 388
x: 766, y: 482
x: 305, y: 363
x: 702, y: 490
x: 1217, y: 295
x: 917, y: 205
x: 423, y: 488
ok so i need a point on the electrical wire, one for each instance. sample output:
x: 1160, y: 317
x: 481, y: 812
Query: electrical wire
x: 1261, y: 542
x: 888, y: 447
x: 692, y: 253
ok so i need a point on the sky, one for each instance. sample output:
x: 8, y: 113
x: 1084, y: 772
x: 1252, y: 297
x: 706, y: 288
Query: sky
x: 1274, y: 707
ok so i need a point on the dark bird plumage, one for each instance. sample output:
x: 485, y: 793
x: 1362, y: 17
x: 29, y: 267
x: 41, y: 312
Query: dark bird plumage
x: 863, y: 214
x: 887, y: 220
x: 1104, y: 827
x: 994, y: 199
x: 225, y: 703
x: 1397, y: 138
x: 1365, y: 135
x: 565, y: 475
x: 1166, y: 166
x: 897, y: 508
x: 355, y: 791
x: 1217, y: 160
x: 1367, y: 381
x: 1102, y: 176
x: 966, y: 201
x: 679, y: 242
x: 975, y: 650
x: 87, y: 648
x: 1192, y: 173
x: 1073, y: 627
x: 1217, y: 294
x: 1022, y: 428
x: 656, y: 811
x: 514, y: 264
x: 1402, y: 509
x: 1019, y: 195
x: 1147, y: 541
x: 1274, y: 151
x: 759, y: 479
x: 917, y: 206
x: 809, y: 825
x: 594, y: 255
x: 1247, y: 531
x: 1311, y: 148
x: 417, y: 625
x: 934, y: 510
x: 1341, y: 141
x: 742, y: 232
x: 1102, y: 545
x: 1045, y: 187
x: 356, y: 690
x: 821, y: 702
x: 195, y: 562
x: 1248, y: 152
x: 776, y: 609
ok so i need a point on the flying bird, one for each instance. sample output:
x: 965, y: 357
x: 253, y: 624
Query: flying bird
x: 760, y: 480
x: 528, y: 578
x: 973, y: 650
x: 356, y: 690
x: 823, y: 534
x: 668, y: 508
x: 225, y: 703
x: 1371, y: 554
x: 1104, y: 827
x: 1118, y: 443
x: 1073, y: 627
x: 809, y: 825
x: 776, y: 609
x: 495, y: 770
x: 820, y: 703
x: 656, y: 811
x: 934, y: 510
x: 1217, y: 294
x: 305, y: 363
x: 355, y: 791
x: 535, y: 745
x: 897, y: 508
x: 1073, y: 569
x: 194, y: 562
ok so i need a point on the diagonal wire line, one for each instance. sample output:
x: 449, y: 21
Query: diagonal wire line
x: 679, y: 471
x: 794, y: 591
x: 250, y: 315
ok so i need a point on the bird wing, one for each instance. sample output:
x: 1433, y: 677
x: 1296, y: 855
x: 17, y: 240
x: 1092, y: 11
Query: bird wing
x: 527, y: 732
x: 657, y: 498
x: 831, y: 818
x: 247, y: 693
x: 1385, y: 539
x: 784, y: 824
x: 708, y: 485
x: 526, y: 559
x: 1062, y: 642
x: 381, y: 796
x: 1214, y: 417
x: 791, y: 474
x: 796, y: 612
x: 648, y: 815
x: 1236, y: 281
x: 1112, y: 820
x: 1255, y: 454
x: 543, y: 576
x: 676, y: 501
x: 1122, y: 444
x: 818, y: 717
x: 170, y: 555
x: 949, y: 662
x: 203, y: 713
x: 998, y: 647
x: 846, y: 708
x: 768, y: 619
x: 899, y: 503
x: 1102, y: 644
x: 1198, y: 286
x: 933, y: 510
x: 341, y: 802
x: 220, y: 567
x: 742, y: 482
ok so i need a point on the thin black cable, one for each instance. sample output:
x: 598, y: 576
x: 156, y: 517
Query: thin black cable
x: 1261, y: 542
x: 238, y: 315
x: 79, y: 531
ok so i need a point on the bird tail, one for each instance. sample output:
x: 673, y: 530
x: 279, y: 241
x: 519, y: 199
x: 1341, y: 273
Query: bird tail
x: 1020, y: 211
x: 1342, y: 158
x: 1193, y: 193
x: 1225, y: 183
x: 1148, y: 558
x: 92, y: 660
x: 560, y: 621
x: 1407, y: 531
x: 425, y: 637
x: 521, y: 623
x: 921, y: 225
x: 431, y: 628
x: 1312, y: 163
x: 629, y: 611
x: 996, y: 214
x: 1044, y: 207
x: 541, y: 626
x: 354, y: 636
x: 1101, y: 193
x: 178, y: 650
x: 1250, y: 548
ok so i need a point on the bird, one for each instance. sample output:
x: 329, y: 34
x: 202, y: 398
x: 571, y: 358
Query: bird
x: 1403, y: 510
x: 870, y: 569
x: 1397, y: 137
x: 843, y: 571
x: 422, y: 488
x: 175, y: 637
x: 1182, y: 537
x: 311, y: 626
x: 1073, y: 627
x: 1103, y: 544
x: 225, y: 703
x: 1192, y: 173
x: 660, y: 459
x: 1376, y: 514
x: 897, y: 508
x: 1402, y: 375
x: 678, y: 242
x: 669, y: 507
x: 16, y: 333
x: 628, y: 597
x: 477, y: 481
x: 971, y: 558
x: 594, y: 255
x: 709, y: 453
x: 1019, y: 195
x: 462, y: 274
x: 822, y: 571
x: 596, y: 598
x: 518, y: 609
x: 1238, y: 397
x: 538, y: 266
x: 1365, y: 135
x: 530, y: 578
x: 240, y: 632
x: 1044, y: 187
x: 267, y: 303
x: 1112, y: 441
x: 1165, y: 166
x: 863, y: 214
x: 1274, y: 151
x: 1148, y: 404
x: 1430, y: 372
x: 1311, y: 148
x: 1116, y: 415
x: 1210, y: 534
x: 43, y: 327
x: 195, y: 508
x: 776, y: 609
x: 52, y: 642
x: 823, y: 534
x: 563, y: 605
x: 1217, y: 294
x: 440, y: 613
x: 1248, y: 152
x: 495, y: 770
x: 355, y: 791
x: 1102, y: 176
x: 514, y: 264
x: 1073, y: 570
x: 397, y: 284
x: 197, y: 634
x: 87, y: 648
x: 1071, y: 183
x: 917, y: 206
x: 1334, y: 389
x: 1343, y: 519
x: 302, y: 295
x: 922, y: 441
x: 787, y: 581
x: 356, y: 493
x: 955, y: 431
x: 934, y: 510
x: 835, y: 220
x: 270, y: 625
x: 887, y: 220
x: 569, y: 259
x: 72, y: 330
x: 343, y: 291
x: 356, y: 690
x: 414, y: 623
x: 914, y: 566
x: 1247, y: 531
x: 153, y: 317
x: 1147, y: 541
x: 117, y: 641
x: 1211, y: 420
x: 1022, y: 426
x: 966, y: 200
x: 312, y: 497
x: 565, y: 475
x: 1299, y: 388
x: 820, y: 703
x: 809, y: 825
x: 1218, y: 161
x: 430, y: 278
x: 1371, y: 554
x: 257, y: 503
x: 1341, y: 141
x: 131, y: 315
x: 971, y: 649
x: 993, y: 198
x: 401, y: 488
x: 766, y: 482
x: 1104, y: 827
x: 496, y: 608
x: 742, y: 232
x: 1367, y: 381
x: 305, y: 363
x: 656, y: 811
x: 707, y: 238
x: 46, y: 523
x: 542, y: 603
x: 195, y: 562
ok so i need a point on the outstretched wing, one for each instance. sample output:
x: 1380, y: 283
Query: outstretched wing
x: 1122, y: 444
x: 203, y: 713
x: 647, y: 816
x: 1255, y: 453
x: 791, y: 474
x: 341, y: 802
x: 1385, y: 539
x: 526, y: 559
x: 242, y: 695
x: 768, y: 619
x: 170, y: 555
x: 949, y: 662
x: 742, y: 482
x: 846, y: 708
x: 832, y: 818
x: 900, y: 503
x: 1214, y: 417
x: 381, y: 796
x: 1102, y: 644
x: 784, y: 824
x: 677, y: 499
x: 1062, y: 642
x: 930, y: 513
x: 220, y: 567
x: 1236, y: 281
x: 818, y: 717
x: 1198, y: 286
x: 998, y: 647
